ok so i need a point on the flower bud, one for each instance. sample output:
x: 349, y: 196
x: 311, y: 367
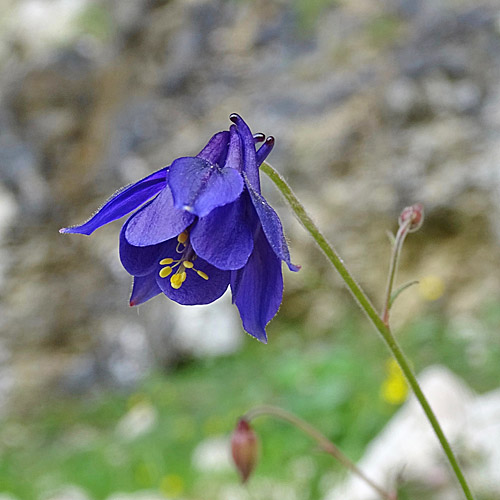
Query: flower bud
x: 414, y: 214
x: 244, y: 448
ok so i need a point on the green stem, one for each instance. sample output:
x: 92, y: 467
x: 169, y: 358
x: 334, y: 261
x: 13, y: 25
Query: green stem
x: 324, y: 443
x: 396, y: 252
x: 366, y: 305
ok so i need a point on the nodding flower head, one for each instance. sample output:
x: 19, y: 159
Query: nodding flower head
x: 244, y: 448
x: 414, y: 215
x: 200, y: 225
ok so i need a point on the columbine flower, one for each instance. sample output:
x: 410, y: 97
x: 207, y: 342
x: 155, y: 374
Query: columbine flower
x: 203, y: 225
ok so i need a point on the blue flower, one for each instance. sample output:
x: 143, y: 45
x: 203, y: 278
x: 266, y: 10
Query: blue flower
x: 202, y: 225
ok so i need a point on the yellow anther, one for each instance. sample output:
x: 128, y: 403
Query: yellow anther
x: 183, y: 237
x: 165, y: 271
x: 202, y: 274
x: 176, y: 281
x: 180, y: 265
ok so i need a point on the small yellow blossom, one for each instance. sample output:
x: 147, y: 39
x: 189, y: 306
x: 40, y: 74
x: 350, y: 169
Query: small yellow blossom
x: 394, y: 389
x: 431, y: 287
x: 172, y: 485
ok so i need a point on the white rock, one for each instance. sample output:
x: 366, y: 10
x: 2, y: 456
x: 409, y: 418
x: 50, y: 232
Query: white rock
x: 212, y: 455
x: 68, y: 492
x: 41, y: 25
x: 210, y: 330
x: 484, y: 439
x: 408, y: 447
x: 139, y: 495
x: 129, y: 353
x: 7, y: 496
x: 8, y: 211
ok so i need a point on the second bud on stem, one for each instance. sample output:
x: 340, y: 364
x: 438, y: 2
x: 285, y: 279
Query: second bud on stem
x: 414, y: 214
x: 244, y: 448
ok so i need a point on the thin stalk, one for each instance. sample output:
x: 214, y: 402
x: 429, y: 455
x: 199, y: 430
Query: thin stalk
x: 366, y: 305
x: 324, y: 443
x: 400, y: 290
x: 396, y: 252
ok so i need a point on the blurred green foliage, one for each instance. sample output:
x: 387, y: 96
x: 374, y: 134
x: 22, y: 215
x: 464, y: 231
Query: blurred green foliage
x: 333, y: 382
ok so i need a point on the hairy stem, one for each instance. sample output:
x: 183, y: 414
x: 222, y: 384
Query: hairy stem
x: 396, y: 252
x: 324, y: 443
x: 366, y: 305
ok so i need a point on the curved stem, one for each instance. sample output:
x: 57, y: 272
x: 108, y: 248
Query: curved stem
x: 396, y: 252
x: 366, y: 305
x: 324, y: 443
x: 400, y: 290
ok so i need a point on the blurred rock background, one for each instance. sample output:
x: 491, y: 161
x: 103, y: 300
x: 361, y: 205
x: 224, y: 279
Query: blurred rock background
x: 374, y: 105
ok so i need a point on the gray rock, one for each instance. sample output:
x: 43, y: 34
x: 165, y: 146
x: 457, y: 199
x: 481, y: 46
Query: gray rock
x: 372, y: 109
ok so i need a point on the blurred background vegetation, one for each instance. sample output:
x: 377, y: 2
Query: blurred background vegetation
x: 374, y: 106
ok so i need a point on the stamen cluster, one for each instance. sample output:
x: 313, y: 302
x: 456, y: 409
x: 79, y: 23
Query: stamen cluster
x: 182, y: 264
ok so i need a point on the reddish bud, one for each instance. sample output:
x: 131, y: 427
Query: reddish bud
x: 414, y: 214
x: 244, y: 448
